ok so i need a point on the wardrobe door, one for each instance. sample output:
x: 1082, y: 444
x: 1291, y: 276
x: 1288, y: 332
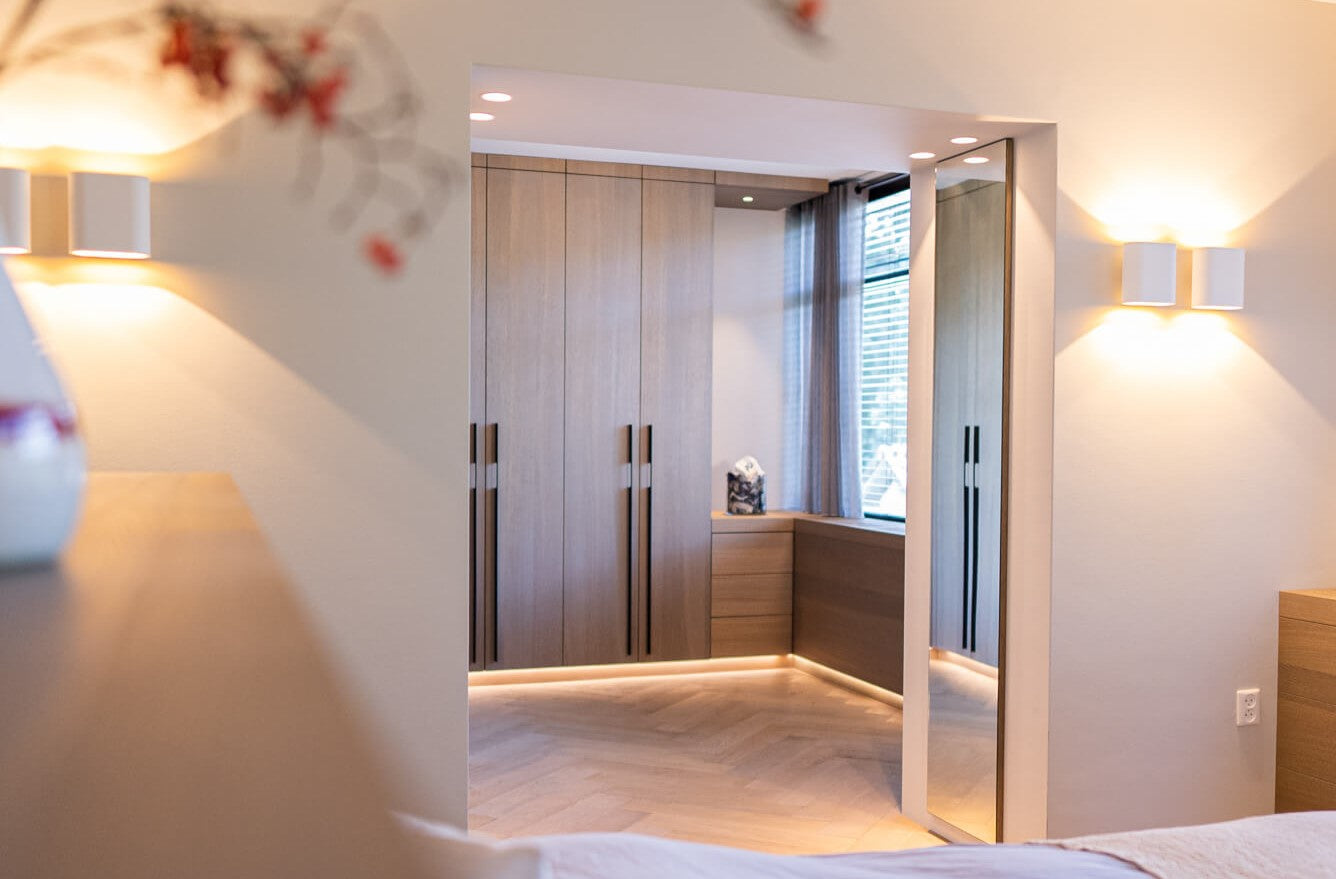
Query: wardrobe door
x: 602, y: 412
x: 676, y: 333
x: 526, y: 255
x: 477, y: 419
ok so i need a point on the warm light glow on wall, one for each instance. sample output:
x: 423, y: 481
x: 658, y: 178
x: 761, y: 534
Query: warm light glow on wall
x: 109, y: 306
x: 1160, y: 345
x: 64, y: 271
x: 46, y: 110
x: 1153, y: 211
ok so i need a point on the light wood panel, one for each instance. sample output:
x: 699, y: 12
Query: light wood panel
x: 752, y: 553
x: 677, y: 175
x: 167, y: 708
x: 602, y: 411
x: 479, y: 160
x: 813, y: 185
x: 1307, y: 660
x: 677, y: 323
x: 1296, y: 792
x: 1306, y: 743
x: 752, y: 595
x: 603, y: 169
x: 527, y: 163
x: 1314, y: 605
x: 1306, y: 707
x: 771, y: 760
x: 849, y: 598
x: 526, y: 255
x: 477, y: 415
x: 751, y: 636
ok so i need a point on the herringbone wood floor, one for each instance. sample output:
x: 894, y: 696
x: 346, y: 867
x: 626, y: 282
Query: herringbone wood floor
x: 772, y: 760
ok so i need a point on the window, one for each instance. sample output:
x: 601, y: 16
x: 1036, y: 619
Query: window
x: 885, y: 385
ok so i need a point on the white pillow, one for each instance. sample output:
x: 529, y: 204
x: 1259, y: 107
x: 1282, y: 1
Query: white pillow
x: 448, y: 853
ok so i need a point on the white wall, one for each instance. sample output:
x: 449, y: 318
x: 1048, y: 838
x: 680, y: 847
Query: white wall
x: 748, y: 347
x: 1193, y: 459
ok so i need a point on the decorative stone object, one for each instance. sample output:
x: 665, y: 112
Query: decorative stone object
x: 746, y: 488
x: 42, y: 466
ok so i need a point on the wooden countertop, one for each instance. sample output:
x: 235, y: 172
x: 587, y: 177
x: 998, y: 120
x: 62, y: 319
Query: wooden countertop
x: 167, y: 712
x: 1314, y: 605
x: 784, y: 520
x: 776, y: 520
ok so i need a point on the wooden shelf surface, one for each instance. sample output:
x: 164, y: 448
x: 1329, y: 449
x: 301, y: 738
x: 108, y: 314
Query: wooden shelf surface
x: 168, y: 712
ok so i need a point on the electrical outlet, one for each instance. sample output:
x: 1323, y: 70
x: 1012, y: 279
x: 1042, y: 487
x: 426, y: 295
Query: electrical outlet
x: 1248, y: 707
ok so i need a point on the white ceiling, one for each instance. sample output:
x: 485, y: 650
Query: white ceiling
x: 583, y: 117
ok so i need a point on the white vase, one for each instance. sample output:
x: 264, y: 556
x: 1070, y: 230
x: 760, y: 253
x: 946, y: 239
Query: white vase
x: 42, y: 464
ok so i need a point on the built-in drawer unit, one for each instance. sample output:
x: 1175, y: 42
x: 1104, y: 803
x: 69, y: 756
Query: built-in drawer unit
x: 1306, y: 703
x: 751, y: 584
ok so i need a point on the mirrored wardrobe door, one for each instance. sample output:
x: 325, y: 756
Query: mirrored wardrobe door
x: 971, y: 344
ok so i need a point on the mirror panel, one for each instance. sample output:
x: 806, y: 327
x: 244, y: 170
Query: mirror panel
x: 971, y: 319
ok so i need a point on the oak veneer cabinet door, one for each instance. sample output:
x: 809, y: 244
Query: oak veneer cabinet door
x: 477, y: 418
x: 676, y: 341
x: 602, y: 414
x: 526, y: 256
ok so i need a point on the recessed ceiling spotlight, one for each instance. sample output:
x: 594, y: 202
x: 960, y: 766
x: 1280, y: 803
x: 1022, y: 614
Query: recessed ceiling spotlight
x: 976, y: 160
x: 747, y: 199
x: 481, y: 117
x: 495, y: 97
x: 924, y: 155
x: 964, y: 140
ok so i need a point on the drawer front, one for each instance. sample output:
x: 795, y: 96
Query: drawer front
x: 1306, y: 738
x: 764, y: 553
x: 751, y: 636
x: 1308, y: 661
x: 752, y: 595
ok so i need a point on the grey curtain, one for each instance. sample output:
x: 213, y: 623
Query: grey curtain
x: 824, y: 330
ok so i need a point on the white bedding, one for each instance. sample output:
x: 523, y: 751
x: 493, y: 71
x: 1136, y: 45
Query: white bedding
x: 627, y: 856
x: 1295, y: 846
x: 1300, y: 845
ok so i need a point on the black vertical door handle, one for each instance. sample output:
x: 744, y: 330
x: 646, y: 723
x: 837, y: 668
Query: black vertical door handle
x: 496, y: 546
x: 974, y: 573
x: 649, y: 542
x: 965, y: 548
x: 630, y: 535
x: 473, y: 543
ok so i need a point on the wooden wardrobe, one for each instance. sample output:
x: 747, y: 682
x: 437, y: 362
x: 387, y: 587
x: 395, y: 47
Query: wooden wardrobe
x: 590, y: 410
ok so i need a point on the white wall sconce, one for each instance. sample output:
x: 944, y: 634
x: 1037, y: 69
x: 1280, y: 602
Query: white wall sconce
x: 1150, y: 273
x: 15, y: 211
x: 1217, y: 278
x: 109, y: 216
